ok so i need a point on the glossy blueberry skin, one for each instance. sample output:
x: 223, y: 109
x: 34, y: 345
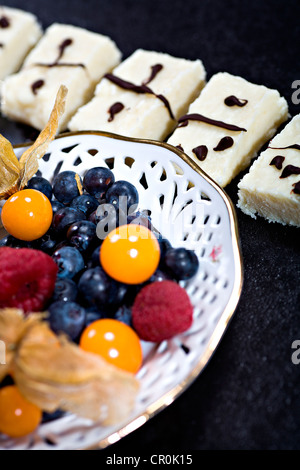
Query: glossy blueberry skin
x: 69, y: 261
x: 159, y: 276
x: 65, y: 187
x: 41, y: 184
x: 107, y: 218
x: 94, y: 287
x: 85, y: 203
x: 139, y: 218
x: 117, y: 295
x: 164, y: 246
x: 67, y: 317
x: 97, y: 289
x: 64, y: 218
x: 47, y: 417
x: 93, y: 260
x: 13, y: 242
x: 56, y: 205
x: 48, y: 243
x: 181, y: 263
x: 130, y: 200
x: 65, y: 290
x: 93, y: 314
x: 124, y: 315
x: 97, y: 180
x: 3, y: 241
x: 82, y: 235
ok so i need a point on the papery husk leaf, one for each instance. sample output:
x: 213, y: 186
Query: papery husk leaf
x: 13, y: 326
x: 9, y: 167
x: 29, y: 160
x: 54, y: 373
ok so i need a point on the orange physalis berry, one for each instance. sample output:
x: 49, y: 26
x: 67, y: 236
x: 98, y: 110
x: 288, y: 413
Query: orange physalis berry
x: 115, y: 341
x: 18, y: 417
x: 130, y: 254
x: 27, y: 215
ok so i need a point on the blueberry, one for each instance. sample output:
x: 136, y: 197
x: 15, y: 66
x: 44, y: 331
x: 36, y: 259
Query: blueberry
x: 140, y: 218
x: 85, y: 203
x: 82, y: 235
x: 66, y: 290
x: 3, y: 241
x: 93, y: 314
x: 164, y: 246
x: 69, y: 261
x: 181, y: 263
x: 47, y: 243
x: 47, y: 417
x: 64, y: 218
x: 124, y: 315
x: 40, y: 184
x: 123, y: 195
x: 117, y: 295
x: 92, y: 217
x: 158, y: 276
x: 56, y: 205
x: 94, y: 258
x: 97, y: 181
x: 68, y: 318
x: 65, y: 186
x: 107, y: 218
x: 94, y: 287
x: 13, y: 242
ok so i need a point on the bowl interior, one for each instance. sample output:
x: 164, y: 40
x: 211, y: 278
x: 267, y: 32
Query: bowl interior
x: 188, y: 209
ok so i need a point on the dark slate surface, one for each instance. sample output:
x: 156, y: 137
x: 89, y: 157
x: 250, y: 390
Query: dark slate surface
x: 248, y: 396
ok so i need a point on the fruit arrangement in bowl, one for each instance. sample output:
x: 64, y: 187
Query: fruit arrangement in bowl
x: 107, y: 284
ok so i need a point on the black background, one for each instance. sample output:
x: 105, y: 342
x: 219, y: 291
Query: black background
x: 248, y: 396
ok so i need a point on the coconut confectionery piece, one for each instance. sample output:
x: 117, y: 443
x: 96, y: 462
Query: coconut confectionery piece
x: 228, y: 124
x: 271, y: 188
x: 19, y: 32
x: 143, y: 97
x: 66, y: 55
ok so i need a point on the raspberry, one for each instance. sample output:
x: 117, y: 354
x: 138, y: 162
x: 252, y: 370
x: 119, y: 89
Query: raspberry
x: 161, y: 310
x: 27, y: 278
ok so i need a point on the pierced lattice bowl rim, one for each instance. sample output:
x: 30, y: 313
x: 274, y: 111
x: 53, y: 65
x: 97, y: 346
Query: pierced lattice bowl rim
x: 202, y: 218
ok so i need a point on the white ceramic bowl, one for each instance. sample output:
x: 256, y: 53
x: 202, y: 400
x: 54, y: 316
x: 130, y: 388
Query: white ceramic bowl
x: 189, y: 209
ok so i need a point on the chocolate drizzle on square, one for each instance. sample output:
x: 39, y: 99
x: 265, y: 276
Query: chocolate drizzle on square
x: 37, y: 85
x: 141, y: 89
x: 4, y: 22
x: 293, y: 146
x: 277, y: 161
x: 115, y: 109
x: 155, y: 69
x: 199, y: 117
x: 66, y: 43
x: 225, y: 143
x: 200, y: 152
x: 234, y: 101
x: 179, y: 147
x: 296, y: 189
x: 290, y: 170
x: 61, y: 49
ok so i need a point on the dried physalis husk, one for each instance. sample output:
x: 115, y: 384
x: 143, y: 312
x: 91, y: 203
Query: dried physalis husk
x: 54, y: 373
x: 14, y: 173
x: 13, y: 326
